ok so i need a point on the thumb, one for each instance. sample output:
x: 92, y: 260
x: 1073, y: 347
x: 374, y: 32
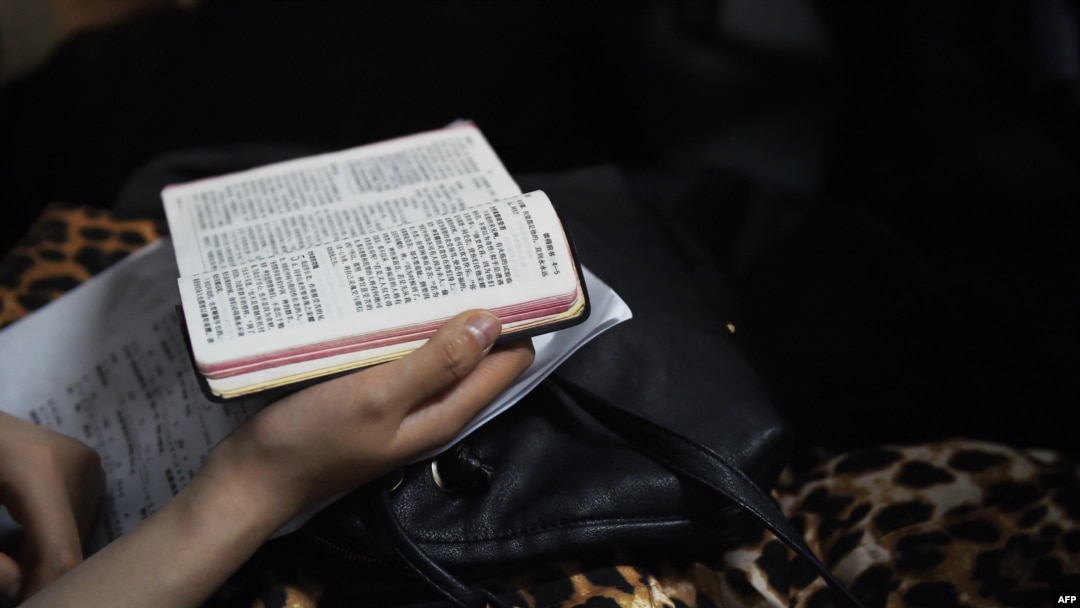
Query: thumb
x: 446, y: 359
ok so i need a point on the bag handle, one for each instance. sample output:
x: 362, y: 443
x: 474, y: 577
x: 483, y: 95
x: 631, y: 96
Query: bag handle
x: 668, y: 448
x: 709, y: 468
x: 461, y: 594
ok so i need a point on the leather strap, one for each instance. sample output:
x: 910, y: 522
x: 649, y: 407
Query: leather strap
x: 678, y: 453
x: 707, y: 467
x: 438, y: 578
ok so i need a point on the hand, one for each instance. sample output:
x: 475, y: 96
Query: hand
x: 332, y: 437
x: 292, y: 455
x: 52, y: 486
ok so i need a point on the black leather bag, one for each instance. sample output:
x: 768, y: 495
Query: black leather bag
x: 656, y: 436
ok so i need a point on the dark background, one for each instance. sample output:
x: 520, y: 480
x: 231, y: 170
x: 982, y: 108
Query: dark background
x: 889, y: 189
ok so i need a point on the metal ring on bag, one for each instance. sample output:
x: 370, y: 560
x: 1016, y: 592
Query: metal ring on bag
x: 461, y: 471
x: 438, y: 478
x: 398, y: 482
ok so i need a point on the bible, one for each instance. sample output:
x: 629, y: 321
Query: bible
x: 314, y: 267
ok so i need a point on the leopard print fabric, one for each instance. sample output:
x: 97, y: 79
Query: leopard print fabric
x: 954, y: 523
x: 957, y: 523
x: 65, y: 246
x: 948, y: 524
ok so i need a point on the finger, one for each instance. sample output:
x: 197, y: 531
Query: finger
x: 440, y: 419
x: 51, y: 543
x: 86, y: 491
x: 448, y: 357
x: 10, y: 579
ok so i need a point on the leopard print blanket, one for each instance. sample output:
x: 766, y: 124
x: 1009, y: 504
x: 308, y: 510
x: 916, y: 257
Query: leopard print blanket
x: 66, y: 246
x: 954, y: 523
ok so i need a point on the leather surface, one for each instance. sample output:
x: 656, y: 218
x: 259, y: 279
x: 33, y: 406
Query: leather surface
x: 675, y: 362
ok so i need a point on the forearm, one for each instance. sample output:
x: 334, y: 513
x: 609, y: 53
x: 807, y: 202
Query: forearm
x: 296, y: 452
x: 179, y: 556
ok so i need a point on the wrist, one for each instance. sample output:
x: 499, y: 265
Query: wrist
x: 237, y: 492
x: 210, y: 528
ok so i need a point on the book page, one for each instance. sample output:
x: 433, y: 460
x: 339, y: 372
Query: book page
x: 277, y: 209
x: 106, y: 365
x: 510, y: 257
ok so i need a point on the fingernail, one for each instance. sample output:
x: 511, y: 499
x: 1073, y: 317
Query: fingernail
x: 485, y: 328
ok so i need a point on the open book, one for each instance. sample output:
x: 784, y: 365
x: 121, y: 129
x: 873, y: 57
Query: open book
x: 299, y: 270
